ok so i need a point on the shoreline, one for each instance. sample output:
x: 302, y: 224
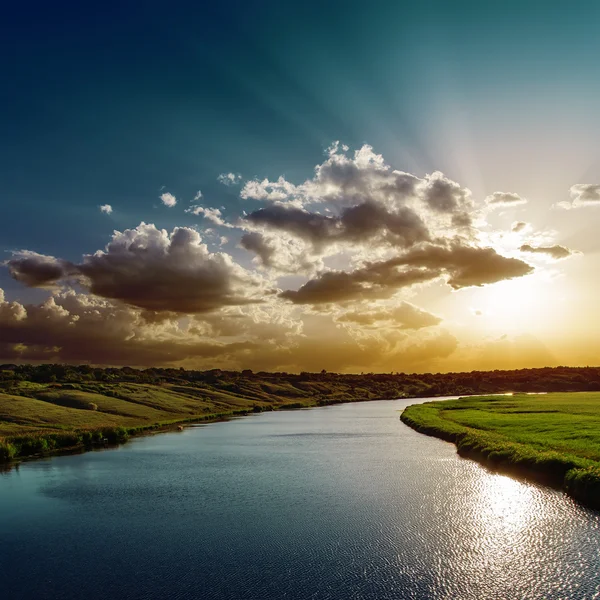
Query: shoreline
x: 576, y: 481
x: 121, y: 435
x: 97, y: 446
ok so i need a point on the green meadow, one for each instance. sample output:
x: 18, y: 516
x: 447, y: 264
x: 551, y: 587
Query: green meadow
x: 553, y: 438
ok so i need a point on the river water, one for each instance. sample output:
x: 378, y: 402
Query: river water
x: 342, y: 502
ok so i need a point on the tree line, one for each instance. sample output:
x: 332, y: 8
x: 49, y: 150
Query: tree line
x: 546, y: 379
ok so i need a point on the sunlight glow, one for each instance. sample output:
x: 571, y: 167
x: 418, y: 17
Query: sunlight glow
x: 519, y: 305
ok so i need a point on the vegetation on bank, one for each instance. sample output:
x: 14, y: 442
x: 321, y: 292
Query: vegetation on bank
x: 553, y: 438
x: 42, y: 418
x: 44, y: 408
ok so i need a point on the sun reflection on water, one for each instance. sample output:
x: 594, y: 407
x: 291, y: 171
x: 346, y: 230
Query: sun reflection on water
x: 506, y: 503
x: 506, y: 524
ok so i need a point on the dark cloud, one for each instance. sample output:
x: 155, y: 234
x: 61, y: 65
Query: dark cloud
x: 443, y: 195
x: 518, y: 226
x: 557, y: 252
x: 462, y: 220
x: 376, y: 281
x: 403, y: 226
x: 464, y: 265
x: 312, y: 227
x: 151, y: 269
x: 257, y: 243
x: 363, y: 203
x: 356, y: 224
x: 37, y: 270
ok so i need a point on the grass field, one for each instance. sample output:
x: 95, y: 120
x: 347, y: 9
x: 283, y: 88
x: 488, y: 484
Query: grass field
x: 554, y: 438
x: 40, y: 418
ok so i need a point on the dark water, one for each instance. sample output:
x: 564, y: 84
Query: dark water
x: 342, y: 502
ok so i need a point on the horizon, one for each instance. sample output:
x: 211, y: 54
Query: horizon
x: 323, y: 372
x: 247, y: 187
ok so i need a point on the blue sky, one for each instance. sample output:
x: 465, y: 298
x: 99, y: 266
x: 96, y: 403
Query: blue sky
x: 119, y: 102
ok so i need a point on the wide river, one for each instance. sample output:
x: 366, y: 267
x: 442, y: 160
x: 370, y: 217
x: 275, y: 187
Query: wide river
x: 342, y: 502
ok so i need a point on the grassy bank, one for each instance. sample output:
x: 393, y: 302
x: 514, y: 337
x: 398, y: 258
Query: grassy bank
x: 45, y: 418
x: 553, y: 438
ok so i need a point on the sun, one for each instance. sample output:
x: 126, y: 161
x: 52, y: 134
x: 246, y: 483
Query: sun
x: 518, y: 305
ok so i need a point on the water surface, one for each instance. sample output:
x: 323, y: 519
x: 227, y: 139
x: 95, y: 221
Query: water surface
x: 341, y: 502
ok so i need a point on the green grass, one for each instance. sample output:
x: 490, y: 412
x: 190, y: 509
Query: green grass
x: 42, y: 418
x: 554, y: 438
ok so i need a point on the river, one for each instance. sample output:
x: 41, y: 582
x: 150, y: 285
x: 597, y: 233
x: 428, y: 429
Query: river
x: 340, y: 502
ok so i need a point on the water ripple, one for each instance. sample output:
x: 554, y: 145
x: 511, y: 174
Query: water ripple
x: 327, y: 504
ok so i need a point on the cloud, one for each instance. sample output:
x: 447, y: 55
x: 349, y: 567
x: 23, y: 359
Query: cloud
x: 356, y: 224
x: 296, y: 221
x: 344, y: 354
x: 557, y: 252
x: 151, y: 269
x: 71, y: 327
x: 466, y: 266
x: 267, y: 190
x: 332, y: 259
x: 106, y: 208
x: 360, y: 203
x: 280, y: 253
x: 229, y: 178
x: 402, y: 316
x: 341, y: 180
x: 503, y: 200
x: 213, y: 215
x: 369, y: 283
x: 198, y: 196
x: 79, y: 328
x: 443, y: 195
x: 168, y: 199
x: 38, y: 270
x: 582, y: 194
x: 257, y: 243
x: 463, y: 266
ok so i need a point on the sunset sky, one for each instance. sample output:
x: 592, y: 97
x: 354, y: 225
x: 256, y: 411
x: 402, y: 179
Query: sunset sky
x: 348, y: 186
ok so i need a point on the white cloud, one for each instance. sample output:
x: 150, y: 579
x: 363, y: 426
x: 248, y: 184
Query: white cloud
x: 214, y: 215
x: 198, y: 195
x: 504, y: 200
x: 229, y: 178
x: 582, y: 194
x: 106, y: 208
x: 168, y: 199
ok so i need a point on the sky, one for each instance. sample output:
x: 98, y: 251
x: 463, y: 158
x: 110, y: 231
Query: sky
x: 297, y: 186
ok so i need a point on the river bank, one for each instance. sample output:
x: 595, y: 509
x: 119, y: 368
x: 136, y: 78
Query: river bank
x: 43, y: 444
x: 552, y: 439
x: 336, y: 503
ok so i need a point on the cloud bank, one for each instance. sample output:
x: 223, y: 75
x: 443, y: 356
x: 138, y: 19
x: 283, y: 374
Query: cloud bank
x: 320, y: 273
